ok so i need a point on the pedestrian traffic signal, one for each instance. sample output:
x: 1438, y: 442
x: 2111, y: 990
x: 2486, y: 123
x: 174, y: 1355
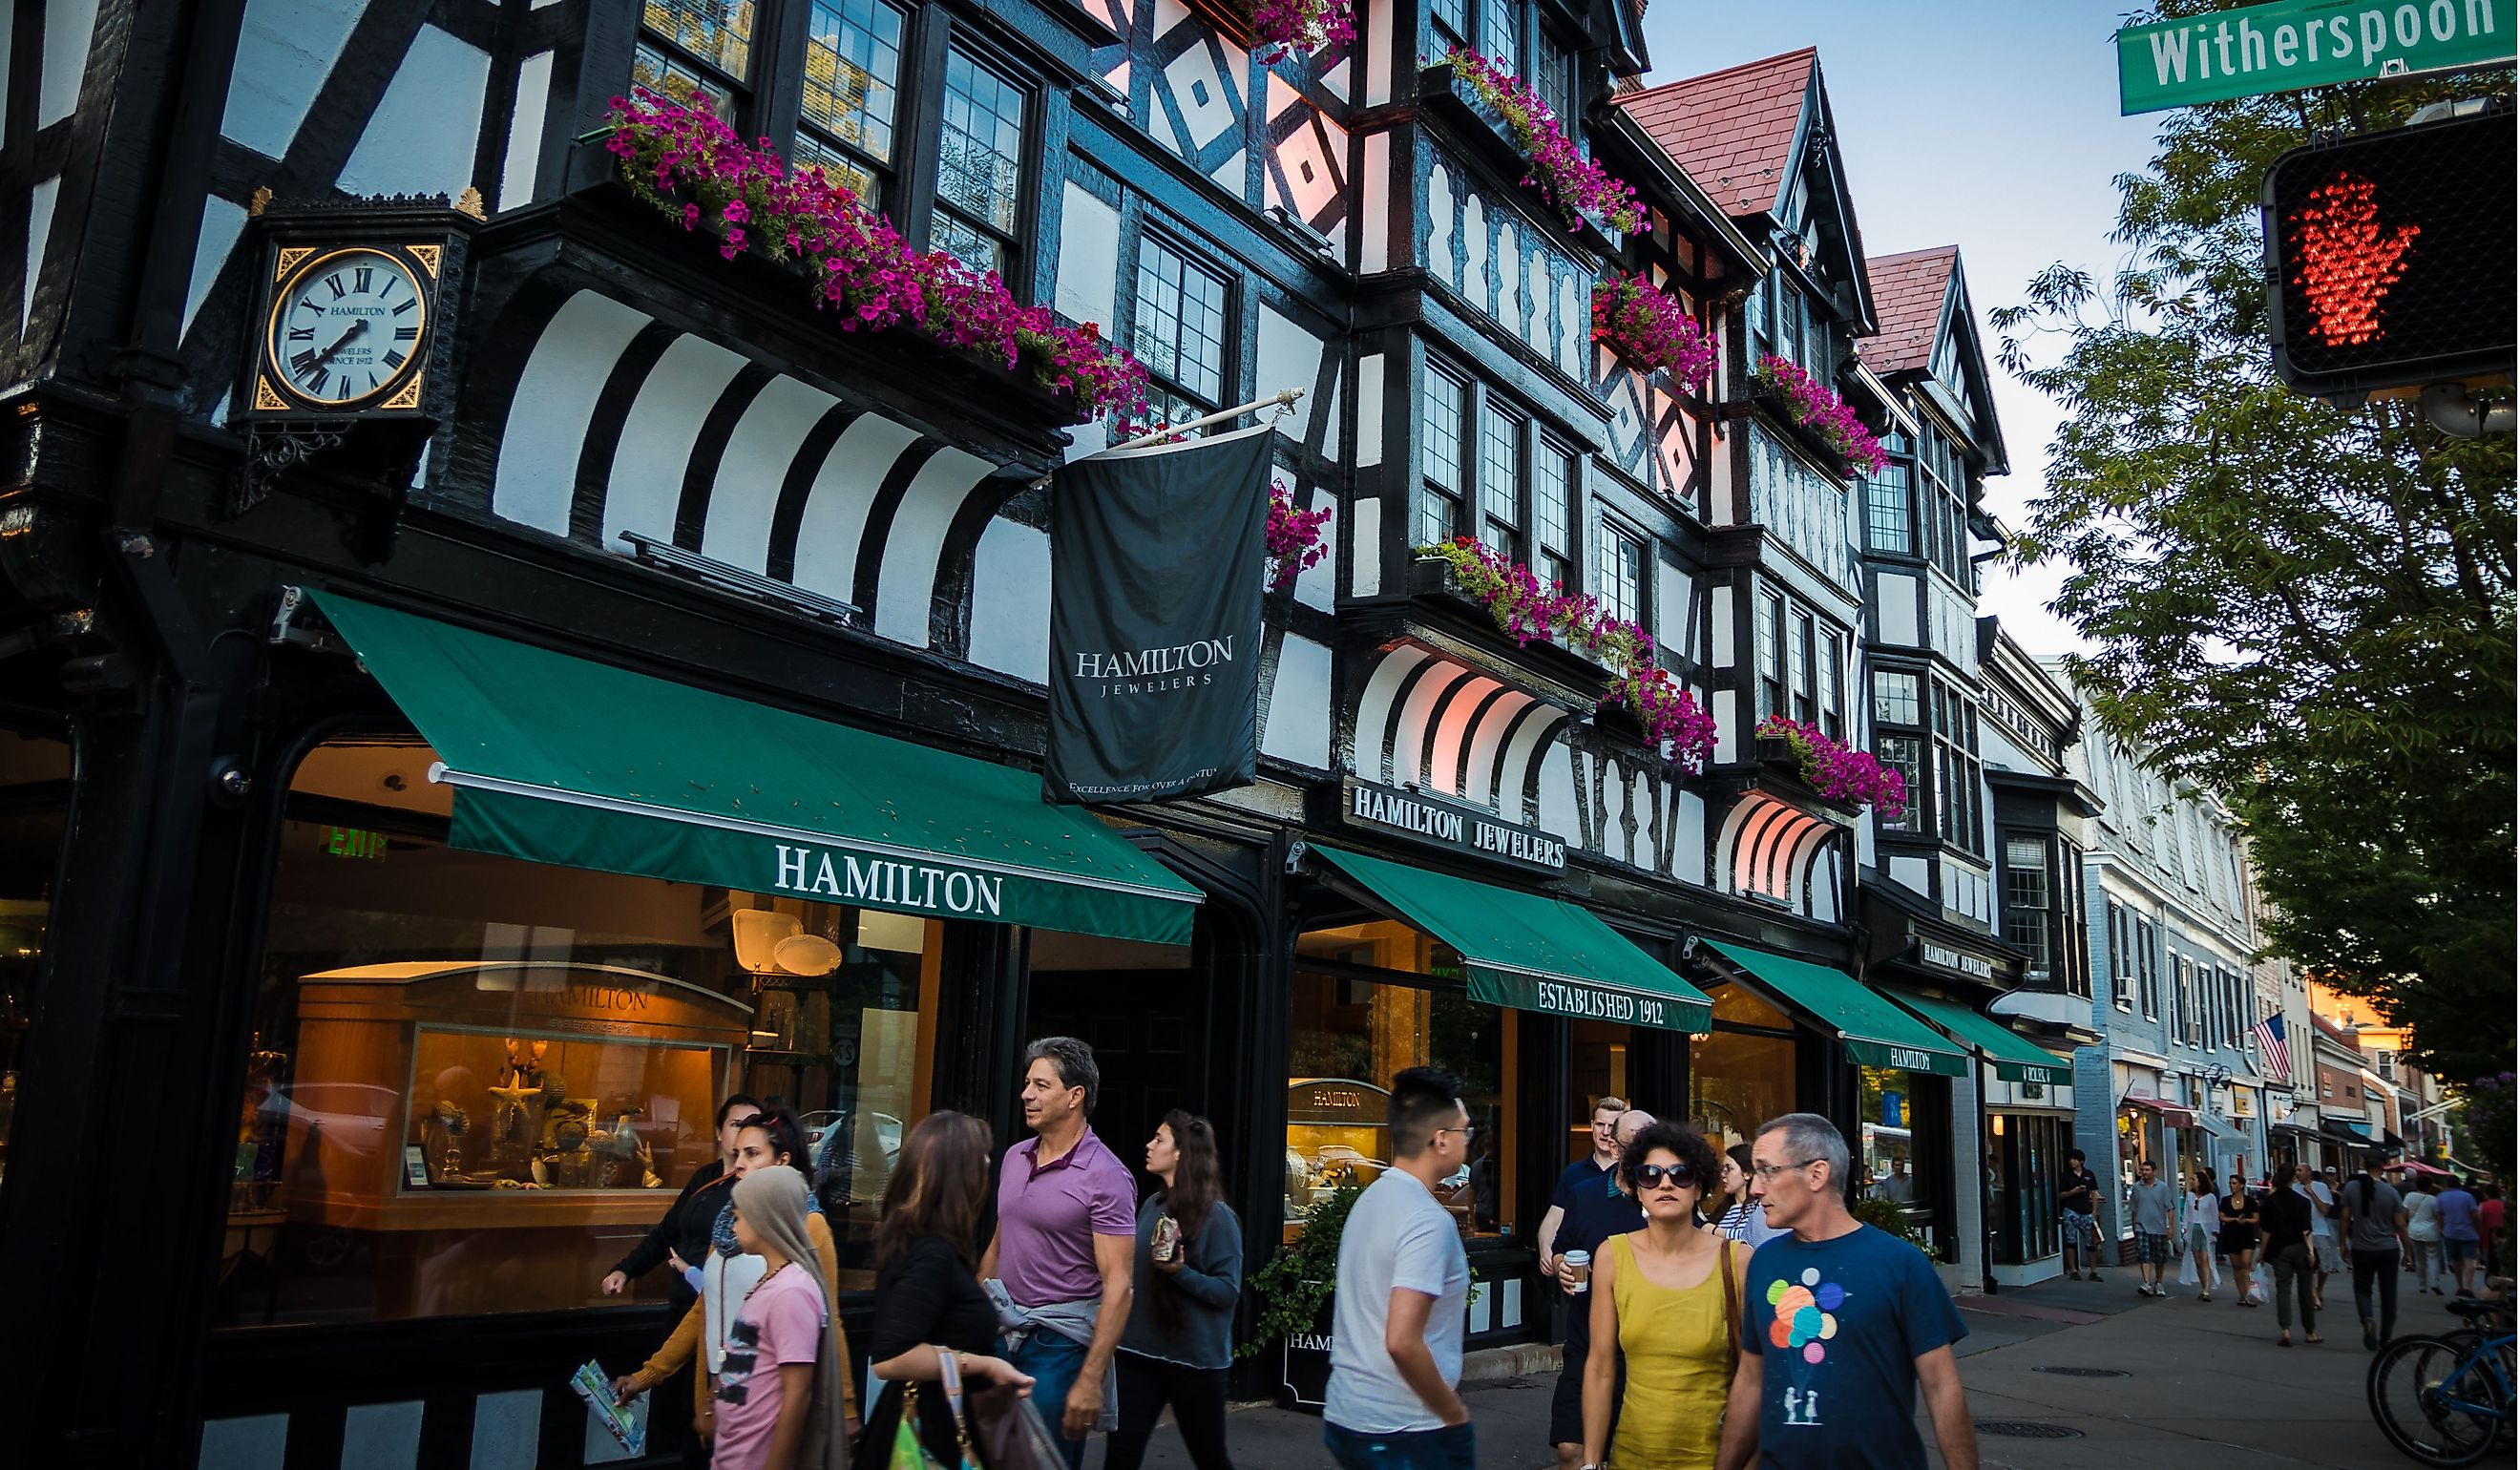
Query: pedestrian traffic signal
x: 2390, y: 256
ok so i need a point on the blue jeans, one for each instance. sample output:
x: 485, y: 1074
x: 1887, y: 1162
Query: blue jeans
x: 1415, y: 1450
x: 1054, y: 1362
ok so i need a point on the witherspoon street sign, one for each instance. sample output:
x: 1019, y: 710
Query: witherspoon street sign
x: 2304, y: 43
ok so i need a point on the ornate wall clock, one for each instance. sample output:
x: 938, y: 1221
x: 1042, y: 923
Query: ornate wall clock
x: 356, y: 302
x: 346, y: 329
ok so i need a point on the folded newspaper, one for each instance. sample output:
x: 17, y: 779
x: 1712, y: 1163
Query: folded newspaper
x: 625, y: 1422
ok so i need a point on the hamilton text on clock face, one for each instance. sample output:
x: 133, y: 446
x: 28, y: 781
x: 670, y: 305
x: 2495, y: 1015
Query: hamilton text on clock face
x: 346, y: 326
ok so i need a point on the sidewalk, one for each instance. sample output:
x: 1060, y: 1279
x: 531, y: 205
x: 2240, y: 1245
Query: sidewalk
x: 2190, y: 1383
x: 2200, y: 1382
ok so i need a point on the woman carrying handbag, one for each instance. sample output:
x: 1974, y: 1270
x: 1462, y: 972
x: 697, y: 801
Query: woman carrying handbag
x: 1669, y: 1296
x: 934, y: 1324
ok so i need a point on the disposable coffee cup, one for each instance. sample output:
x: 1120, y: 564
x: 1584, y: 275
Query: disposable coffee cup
x: 1582, y: 1263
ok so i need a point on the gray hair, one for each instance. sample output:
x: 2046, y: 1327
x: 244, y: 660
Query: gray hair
x: 1811, y: 1137
x: 1073, y: 1060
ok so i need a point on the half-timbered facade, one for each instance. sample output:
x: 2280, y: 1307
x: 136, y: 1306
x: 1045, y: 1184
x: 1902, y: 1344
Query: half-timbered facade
x: 337, y: 743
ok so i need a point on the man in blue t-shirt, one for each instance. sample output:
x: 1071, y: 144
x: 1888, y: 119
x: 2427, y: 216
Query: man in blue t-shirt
x: 1587, y: 1208
x: 1840, y: 1323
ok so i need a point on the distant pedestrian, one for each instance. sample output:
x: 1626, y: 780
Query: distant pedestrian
x: 2376, y: 1233
x: 2077, y: 1192
x: 1179, y: 1340
x: 1668, y: 1294
x: 2459, y: 1234
x: 2154, y: 1204
x: 725, y: 1272
x: 2200, y: 1225
x: 1589, y: 1208
x: 1402, y: 1298
x: 685, y: 1230
x: 930, y: 1310
x: 1745, y: 1218
x: 2284, y: 1217
x: 783, y: 1400
x: 2326, y: 1228
x: 1058, y: 1267
x: 2238, y: 1240
x: 2491, y: 1218
x: 1841, y: 1324
x: 2424, y: 1232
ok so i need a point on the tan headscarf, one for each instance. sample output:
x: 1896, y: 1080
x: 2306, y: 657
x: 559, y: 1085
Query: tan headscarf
x: 773, y: 1202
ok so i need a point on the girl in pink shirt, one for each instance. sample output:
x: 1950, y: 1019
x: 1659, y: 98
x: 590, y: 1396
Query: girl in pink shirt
x: 779, y: 1402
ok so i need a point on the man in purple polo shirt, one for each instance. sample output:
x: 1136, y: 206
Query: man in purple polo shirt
x: 1061, y: 1264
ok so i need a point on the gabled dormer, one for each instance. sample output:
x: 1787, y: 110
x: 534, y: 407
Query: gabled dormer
x: 1928, y: 346
x: 1760, y: 139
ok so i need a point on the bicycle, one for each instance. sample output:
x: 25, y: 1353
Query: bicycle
x: 2446, y: 1400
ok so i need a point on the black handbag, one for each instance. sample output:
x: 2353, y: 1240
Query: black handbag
x: 1011, y: 1430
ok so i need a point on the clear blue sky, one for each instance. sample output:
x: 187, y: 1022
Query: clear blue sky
x: 1989, y: 125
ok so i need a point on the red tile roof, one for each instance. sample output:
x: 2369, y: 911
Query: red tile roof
x: 1730, y: 130
x: 1908, y: 291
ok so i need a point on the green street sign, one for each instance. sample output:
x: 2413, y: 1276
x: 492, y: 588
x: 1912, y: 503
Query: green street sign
x: 2304, y: 43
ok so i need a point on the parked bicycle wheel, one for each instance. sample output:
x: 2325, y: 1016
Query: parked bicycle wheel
x: 2438, y: 1401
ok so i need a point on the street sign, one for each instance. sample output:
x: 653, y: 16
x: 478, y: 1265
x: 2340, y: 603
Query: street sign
x: 2389, y: 256
x: 2304, y: 43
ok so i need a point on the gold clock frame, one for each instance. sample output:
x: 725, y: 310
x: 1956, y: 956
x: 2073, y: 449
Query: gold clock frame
x: 401, y: 394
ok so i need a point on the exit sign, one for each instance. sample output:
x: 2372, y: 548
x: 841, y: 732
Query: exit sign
x: 350, y: 842
x: 2257, y: 49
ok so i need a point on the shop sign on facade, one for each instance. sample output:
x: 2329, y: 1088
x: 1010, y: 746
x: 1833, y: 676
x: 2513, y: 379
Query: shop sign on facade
x: 1560, y: 997
x: 1462, y: 831
x: 1930, y: 953
x: 1156, y: 580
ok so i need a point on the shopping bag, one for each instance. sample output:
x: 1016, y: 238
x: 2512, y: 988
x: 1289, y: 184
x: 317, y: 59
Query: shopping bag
x: 2262, y: 1283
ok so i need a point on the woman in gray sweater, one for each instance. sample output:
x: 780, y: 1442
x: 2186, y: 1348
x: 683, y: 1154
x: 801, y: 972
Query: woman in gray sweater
x: 1180, y: 1338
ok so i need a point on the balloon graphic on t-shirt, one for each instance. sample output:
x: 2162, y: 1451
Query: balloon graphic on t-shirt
x: 1806, y: 1314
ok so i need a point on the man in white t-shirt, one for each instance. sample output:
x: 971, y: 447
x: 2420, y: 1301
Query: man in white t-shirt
x: 2322, y: 1226
x: 1398, y: 1317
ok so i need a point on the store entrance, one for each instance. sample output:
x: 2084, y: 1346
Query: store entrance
x: 1145, y: 1012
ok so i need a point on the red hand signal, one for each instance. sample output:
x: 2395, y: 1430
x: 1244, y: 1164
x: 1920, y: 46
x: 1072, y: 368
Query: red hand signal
x: 2347, y: 261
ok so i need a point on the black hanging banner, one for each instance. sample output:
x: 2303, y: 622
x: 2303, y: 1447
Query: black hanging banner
x: 1154, y: 620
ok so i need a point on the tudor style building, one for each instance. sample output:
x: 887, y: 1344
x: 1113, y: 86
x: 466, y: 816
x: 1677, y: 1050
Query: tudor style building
x: 422, y: 790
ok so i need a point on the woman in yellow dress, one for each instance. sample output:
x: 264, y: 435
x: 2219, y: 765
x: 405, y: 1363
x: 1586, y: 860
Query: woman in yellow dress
x: 1669, y: 1295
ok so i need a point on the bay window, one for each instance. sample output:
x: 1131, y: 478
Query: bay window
x: 1554, y: 472
x: 1440, y: 474
x: 1771, y: 654
x: 697, y: 52
x: 1623, y: 574
x: 1178, y: 331
x: 2027, y: 898
x: 841, y: 87
x: 852, y: 95
x: 1501, y: 436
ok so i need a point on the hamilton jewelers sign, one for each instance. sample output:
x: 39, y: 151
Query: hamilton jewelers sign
x: 1953, y: 960
x: 1461, y: 830
x: 2304, y: 43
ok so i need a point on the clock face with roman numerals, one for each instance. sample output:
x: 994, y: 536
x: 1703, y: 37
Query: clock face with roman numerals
x: 347, y: 327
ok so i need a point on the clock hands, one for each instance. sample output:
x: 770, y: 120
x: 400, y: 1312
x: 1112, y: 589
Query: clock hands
x: 340, y: 342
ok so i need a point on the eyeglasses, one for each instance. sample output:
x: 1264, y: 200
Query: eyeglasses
x: 1767, y: 1171
x: 1655, y: 1175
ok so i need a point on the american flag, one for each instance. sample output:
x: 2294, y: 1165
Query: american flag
x: 2271, y: 1045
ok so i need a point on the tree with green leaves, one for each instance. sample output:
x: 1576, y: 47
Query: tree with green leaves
x: 2306, y: 608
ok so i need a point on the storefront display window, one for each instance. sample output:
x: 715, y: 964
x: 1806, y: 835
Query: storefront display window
x: 1743, y: 1073
x: 1886, y: 1102
x: 473, y: 1080
x: 35, y: 802
x: 1371, y: 1000
x: 2026, y: 1154
x: 1600, y: 1066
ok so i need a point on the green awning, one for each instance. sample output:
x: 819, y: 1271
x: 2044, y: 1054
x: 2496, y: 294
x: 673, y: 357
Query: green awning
x: 1876, y: 1033
x: 558, y: 760
x: 2016, y: 1057
x: 1531, y: 951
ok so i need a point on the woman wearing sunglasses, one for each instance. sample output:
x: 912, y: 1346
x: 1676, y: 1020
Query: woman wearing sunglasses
x: 1669, y: 1296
